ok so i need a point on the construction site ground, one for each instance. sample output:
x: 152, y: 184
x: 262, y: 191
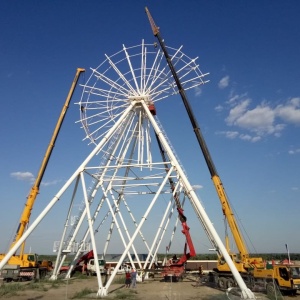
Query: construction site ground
x: 154, y: 289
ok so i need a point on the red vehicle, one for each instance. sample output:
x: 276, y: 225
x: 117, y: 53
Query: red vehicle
x: 80, y: 265
x: 175, y: 268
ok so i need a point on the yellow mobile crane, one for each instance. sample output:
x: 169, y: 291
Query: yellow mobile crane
x: 242, y: 260
x: 26, y: 265
x: 252, y: 269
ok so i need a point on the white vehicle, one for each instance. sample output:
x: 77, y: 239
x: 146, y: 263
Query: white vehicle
x: 123, y: 269
x: 91, y: 267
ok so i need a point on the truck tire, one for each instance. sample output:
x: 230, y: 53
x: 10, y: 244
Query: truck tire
x: 43, y: 273
x: 250, y: 282
x: 230, y: 283
x: 222, y: 282
x: 271, y: 289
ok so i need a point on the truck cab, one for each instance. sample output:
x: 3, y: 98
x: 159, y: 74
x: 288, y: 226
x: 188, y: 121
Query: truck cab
x: 287, y: 277
x: 91, y: 267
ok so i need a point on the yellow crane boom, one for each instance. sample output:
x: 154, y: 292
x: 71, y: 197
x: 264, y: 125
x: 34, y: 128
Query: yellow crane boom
x: 25, y: 217
x: 226, y: 208
x: 251, y: 269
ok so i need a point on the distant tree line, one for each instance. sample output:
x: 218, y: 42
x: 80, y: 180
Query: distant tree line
x: 209, y: 256
x: 265, y: 256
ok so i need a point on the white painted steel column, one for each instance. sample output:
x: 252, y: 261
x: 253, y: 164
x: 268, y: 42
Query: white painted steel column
x: 92, y: 235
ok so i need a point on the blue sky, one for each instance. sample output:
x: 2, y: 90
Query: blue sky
x: 249, y: 112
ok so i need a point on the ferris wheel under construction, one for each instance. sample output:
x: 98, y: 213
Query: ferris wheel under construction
x: 133, y: 178
x: 131, y: 189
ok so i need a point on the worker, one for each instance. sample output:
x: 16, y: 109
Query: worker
x: 84, y: 267
x: 133, y: 278
x: 200, y: 271
x: 174, y: 259
x: 127, y: 280
x: 143, y: 275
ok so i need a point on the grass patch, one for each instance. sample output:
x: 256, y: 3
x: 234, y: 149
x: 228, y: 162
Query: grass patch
x: 38, y: 286
x: 9, y: 290
x: 79, y: 275
x: 119, y: 280
x: 55, y: 284
x: 83, y: 293
x: 12, y: 289
x: 125, y: 294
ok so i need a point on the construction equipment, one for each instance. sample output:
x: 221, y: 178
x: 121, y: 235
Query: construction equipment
x: 251, y: 269
x: 24, y: 265
x: 78, y: 265
x: 91, y: 266
x: 175, y: 269
x: 285, y: 277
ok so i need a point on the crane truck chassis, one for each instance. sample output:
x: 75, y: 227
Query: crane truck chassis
x: 35, y: 269
x: 285, y: 277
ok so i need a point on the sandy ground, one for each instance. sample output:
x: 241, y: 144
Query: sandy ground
x: 148, y: 290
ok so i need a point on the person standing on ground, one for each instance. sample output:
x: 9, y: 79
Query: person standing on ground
x: 133, y: 278
x: 200, y: 271
x: 84, y: 267
x: 127, y: 280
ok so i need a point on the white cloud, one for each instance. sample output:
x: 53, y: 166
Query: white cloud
x: 224, y: 82
x: 198, y: 91
x: 25, y: 176
x: 290, y: 112
x: 253, y: 122
x: 231, y: 134
x: 234, y: 98
x: 296, y: 151
x: 259, y: 119
x: 255, y: 139
x: 197, y: 187
x: 238, y: 111
x: 29, y: 177
x: 295, y: 101
x: 263, y: 119
x: 219, y: 108
x: 235, y: 134
x: 247, y: 137
x: 53, y: 182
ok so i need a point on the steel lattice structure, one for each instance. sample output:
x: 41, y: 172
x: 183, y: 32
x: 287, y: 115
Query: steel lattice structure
x: 127, y: 192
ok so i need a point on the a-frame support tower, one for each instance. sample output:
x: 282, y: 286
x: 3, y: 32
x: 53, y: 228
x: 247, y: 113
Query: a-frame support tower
x: 128, y: 190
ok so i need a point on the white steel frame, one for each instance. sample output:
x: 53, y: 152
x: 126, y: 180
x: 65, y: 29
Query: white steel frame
x: 127, y: 189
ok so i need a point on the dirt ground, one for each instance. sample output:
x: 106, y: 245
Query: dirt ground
x: 148, y: 290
